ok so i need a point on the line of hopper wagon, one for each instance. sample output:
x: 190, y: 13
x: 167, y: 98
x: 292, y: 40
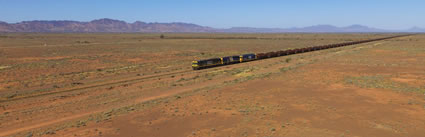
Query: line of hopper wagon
x: 228, y: 60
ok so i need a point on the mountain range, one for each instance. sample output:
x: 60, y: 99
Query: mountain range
x: 111, y: 25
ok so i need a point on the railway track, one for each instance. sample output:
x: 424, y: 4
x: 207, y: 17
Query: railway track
x: 127, y: 81
x: 135, y: 80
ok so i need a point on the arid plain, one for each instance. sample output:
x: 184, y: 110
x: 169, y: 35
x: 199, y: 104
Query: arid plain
x: 127, y: 84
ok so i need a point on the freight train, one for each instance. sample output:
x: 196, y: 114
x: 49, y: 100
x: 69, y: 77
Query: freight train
x: 214, y: 62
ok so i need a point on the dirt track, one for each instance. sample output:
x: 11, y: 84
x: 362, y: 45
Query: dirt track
x: 365, y: 90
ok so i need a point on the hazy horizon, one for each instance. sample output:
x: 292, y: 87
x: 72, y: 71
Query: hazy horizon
x: 391, y: 14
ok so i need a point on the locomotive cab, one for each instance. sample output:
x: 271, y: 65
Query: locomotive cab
x: 195, y: 65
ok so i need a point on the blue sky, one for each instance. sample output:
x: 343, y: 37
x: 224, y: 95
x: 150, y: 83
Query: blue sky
x: 386, y: 14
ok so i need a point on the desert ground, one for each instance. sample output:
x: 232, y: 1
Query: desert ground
x: 142, y: 85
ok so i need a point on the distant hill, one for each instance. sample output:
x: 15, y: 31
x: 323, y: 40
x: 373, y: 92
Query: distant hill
x: 317, y: 28
x: 329, y: 28
x: 416, y: 29
x: 100, y: 25
x: 111, y: 25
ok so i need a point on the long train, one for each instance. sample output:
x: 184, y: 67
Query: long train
x: 214, y: 62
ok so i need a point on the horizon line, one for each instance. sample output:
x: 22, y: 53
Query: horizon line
x: 320, y: 24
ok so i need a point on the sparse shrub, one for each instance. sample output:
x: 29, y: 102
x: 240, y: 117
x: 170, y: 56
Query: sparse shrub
x: 29, y: 134
x: 12, y: 95
x: 181, y: 79
x: 83, y: 42
x: 288, y: 60
x: 285, y: 69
